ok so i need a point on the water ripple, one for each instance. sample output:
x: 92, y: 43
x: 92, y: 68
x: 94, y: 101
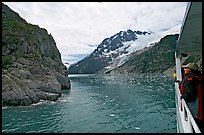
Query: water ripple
x: 101, y: 104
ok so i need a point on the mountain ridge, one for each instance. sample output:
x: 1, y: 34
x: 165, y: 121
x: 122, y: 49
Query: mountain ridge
x: 115, y: 51
x: 107, y: 50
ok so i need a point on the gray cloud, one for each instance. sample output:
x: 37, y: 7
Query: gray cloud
x: 77, y: 25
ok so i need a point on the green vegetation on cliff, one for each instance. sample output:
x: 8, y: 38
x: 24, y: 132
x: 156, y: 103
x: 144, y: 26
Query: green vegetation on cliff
x: 31, y: 63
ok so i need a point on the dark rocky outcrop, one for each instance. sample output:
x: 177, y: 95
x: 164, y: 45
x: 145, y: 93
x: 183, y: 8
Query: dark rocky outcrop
x: 32, y: 68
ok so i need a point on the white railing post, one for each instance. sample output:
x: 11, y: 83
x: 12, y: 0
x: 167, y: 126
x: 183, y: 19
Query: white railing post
x: 178, y: 67
x: 191, y: 124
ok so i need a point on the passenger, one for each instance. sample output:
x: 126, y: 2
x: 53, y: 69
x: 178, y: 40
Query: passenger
x: 174, y: 76
x: 191, y: 91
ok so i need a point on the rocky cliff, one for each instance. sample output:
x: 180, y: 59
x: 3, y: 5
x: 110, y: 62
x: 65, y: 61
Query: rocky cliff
x: 32, y: 68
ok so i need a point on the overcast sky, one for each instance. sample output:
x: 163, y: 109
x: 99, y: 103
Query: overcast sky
x: 78, y: 27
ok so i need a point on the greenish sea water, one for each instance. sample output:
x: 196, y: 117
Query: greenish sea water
x: 141, y: 103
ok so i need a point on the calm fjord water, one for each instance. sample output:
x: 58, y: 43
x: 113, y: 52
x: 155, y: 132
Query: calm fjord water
x: 101, y: 104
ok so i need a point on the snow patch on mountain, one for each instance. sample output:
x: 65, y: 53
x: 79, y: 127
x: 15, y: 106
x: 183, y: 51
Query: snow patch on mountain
x: 118, y: 49
x: 133, y: 46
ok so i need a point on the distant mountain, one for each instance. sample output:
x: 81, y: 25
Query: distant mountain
x: 154, y: 59
x: 110, y: 48
x: 117, y: 50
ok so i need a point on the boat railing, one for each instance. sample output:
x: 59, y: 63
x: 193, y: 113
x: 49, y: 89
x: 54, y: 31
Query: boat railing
x: 187, y: 121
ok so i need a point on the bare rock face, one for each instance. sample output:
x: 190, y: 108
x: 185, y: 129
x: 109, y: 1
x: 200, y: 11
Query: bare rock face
x: 31, y: 63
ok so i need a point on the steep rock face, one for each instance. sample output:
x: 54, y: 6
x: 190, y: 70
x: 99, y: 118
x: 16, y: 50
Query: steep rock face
x: 31, y: 63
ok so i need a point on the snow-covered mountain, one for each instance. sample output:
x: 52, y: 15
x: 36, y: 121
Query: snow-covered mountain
x: 116, y: 50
